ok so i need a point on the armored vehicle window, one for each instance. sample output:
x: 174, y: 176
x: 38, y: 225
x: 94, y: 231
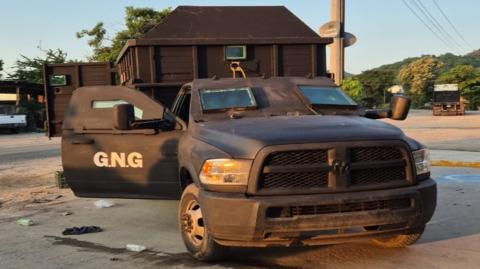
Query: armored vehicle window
x: 219, y: 99
x: 111, y: 103
x: 236, y: 52
x: 326, y: 96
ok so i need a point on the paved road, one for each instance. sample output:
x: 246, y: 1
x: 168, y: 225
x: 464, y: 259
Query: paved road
x: 458, y: 133
x: 27, y: 146
x: 452, y: 238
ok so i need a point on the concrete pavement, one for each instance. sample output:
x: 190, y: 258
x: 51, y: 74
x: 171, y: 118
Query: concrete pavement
x: 455, y: 158
x: 451, y: 240
x: 27, y: 146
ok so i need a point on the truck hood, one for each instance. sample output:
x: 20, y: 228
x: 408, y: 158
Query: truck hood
x: 243, y: 138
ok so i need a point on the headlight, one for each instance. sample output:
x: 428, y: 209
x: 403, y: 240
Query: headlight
x: 225, y: 172
x: 422, y: 161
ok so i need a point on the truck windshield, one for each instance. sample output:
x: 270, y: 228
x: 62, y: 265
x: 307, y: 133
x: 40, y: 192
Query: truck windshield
x: 219, y: 99
x: 326, y: 96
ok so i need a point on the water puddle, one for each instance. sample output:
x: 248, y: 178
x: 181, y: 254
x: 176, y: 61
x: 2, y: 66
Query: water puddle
x: 460, y: 178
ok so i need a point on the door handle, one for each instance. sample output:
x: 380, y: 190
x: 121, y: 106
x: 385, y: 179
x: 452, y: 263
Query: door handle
x: 77, y: 141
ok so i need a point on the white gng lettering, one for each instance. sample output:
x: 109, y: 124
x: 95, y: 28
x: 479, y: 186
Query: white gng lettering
x: 115, y: 159
x: 100, y: 159
x: 135, y: 160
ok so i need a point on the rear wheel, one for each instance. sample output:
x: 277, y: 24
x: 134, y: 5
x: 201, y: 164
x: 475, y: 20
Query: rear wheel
x: 197, y: 239
x: 398, y: 241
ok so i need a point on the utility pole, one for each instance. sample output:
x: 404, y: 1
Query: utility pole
x: 337, y: 48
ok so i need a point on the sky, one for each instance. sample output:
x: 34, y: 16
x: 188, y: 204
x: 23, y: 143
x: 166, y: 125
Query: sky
x: 387, y: 31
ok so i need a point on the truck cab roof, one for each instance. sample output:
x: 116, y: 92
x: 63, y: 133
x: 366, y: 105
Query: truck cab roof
x: 275, y: 96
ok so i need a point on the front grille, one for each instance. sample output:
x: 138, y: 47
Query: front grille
x: 370, y: 154
x: 377, y: 175
x: 293, y: 211
x: 303, y: 157
x: 309, y: 170
x: 295, y: 180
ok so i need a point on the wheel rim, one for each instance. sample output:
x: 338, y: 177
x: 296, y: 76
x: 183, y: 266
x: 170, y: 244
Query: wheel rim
x: 192, y: 223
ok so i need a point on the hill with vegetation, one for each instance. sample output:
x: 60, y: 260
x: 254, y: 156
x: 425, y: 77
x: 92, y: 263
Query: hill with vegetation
x: 417, y: 76
x: 449, y: 60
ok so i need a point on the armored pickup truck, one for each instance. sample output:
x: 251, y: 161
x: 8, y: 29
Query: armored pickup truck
x: 256, y: 162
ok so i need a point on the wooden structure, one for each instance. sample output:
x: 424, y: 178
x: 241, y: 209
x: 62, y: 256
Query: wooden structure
x: 23, y: 91
x: 192, y: 42
x: 74, y: 75
x: 196, y: 42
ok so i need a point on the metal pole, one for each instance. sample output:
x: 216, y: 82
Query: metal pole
x: 337, y: 49
x: 19, y: 97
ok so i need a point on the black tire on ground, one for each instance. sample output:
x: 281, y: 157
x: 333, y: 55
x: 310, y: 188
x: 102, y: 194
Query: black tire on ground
x: 196, y: 238
x: 398, y: 241
x: 14, y: 131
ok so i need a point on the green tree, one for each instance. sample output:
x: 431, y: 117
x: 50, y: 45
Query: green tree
x: 457, y: 74
x: 353, y: 88
x: 375, y: 84
x: 31, y: 69
x: 138, y: 21
x: 471, y: 91
x: 468, y: 79
x: 1, y: 67
x: 418, y: 77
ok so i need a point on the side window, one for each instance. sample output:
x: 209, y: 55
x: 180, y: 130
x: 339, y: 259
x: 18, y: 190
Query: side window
x: 100, y: 104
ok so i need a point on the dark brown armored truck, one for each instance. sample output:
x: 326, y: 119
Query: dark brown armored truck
x: 257, y: 162
x: 447, y: 100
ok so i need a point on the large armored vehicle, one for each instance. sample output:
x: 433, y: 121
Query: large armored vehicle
x: 255, y: 162
x: 447, y: 100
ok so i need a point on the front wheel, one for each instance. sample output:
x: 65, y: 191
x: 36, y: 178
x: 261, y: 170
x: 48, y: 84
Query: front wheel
x: 398, y: 241
x: 195, y: 236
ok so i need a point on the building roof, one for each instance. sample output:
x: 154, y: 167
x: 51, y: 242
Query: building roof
x: 210, y: 25
x: 10, y: 86
x: 228, y: 22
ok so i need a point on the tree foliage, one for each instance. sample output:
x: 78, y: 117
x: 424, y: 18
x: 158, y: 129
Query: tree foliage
x: 418, y: 77
x: 31, y: 69
x: 138, y: 21
x: 468, y: 79
x: 1, y: 67
x: 449, y: 60
x: 471, y: 91
x: 419, y: 74
x: 354, y: 89
x: 457, y: 74
x: 375, y: 84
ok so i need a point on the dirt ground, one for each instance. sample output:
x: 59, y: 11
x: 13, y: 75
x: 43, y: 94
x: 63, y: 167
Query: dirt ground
x: 28, y: 162
x: 451, y: 239
x: 461, y: 133
x: 27, y: 169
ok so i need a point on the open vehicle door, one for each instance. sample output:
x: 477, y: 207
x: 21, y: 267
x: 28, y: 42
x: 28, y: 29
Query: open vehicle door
x: 102, y: 160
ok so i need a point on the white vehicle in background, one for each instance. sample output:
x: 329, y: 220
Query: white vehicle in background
x: 10, y: 121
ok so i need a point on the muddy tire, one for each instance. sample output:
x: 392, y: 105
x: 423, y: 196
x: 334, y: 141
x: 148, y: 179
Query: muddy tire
x: 398, y: 241
x: 195, y: 236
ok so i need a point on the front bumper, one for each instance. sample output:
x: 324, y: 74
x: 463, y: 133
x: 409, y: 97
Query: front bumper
x: 238, y: 220
x: 12, y: 125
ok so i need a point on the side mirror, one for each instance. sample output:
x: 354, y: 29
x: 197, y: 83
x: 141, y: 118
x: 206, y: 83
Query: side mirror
x: 123, y: 116
x: 399, y: 106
